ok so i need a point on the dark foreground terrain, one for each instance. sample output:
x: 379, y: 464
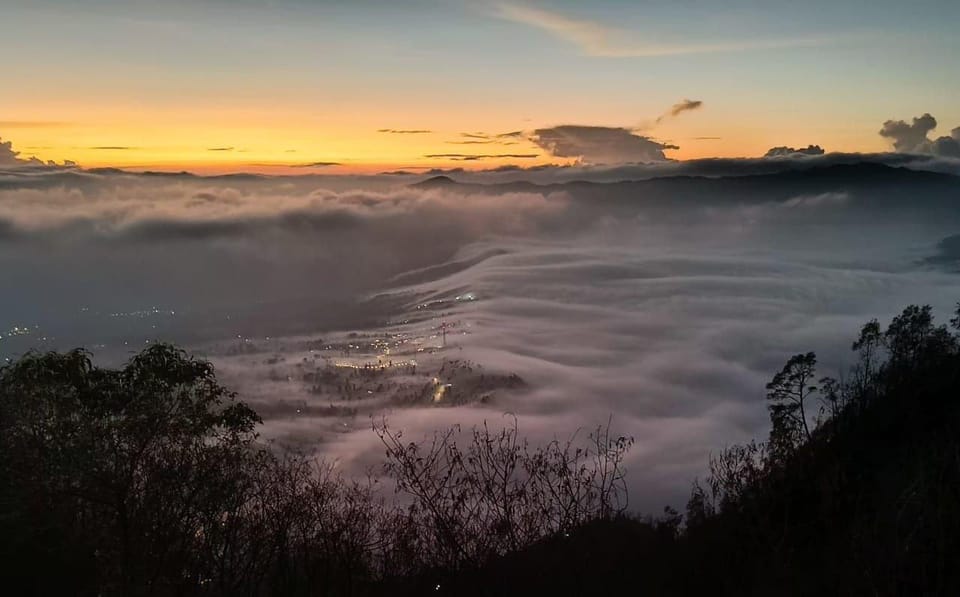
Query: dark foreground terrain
x: 150, y: 480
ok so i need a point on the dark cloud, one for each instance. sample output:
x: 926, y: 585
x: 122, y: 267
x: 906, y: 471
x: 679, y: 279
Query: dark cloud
x: 492, y: 138
x: 469, y: 157
x: 785, y: 152
x: 316, y: 165
x: 947, y: 146
x: 481, y: 138
x: 909, y: 138
x: 685, y: 106
x: 485, y: 142
x: 600, y: 144
x: 219, y: 149
x: 680, y: 107
x: 948, y: 253
x: 114, y: 148
x: 404, y: 131
x: 913, y: 137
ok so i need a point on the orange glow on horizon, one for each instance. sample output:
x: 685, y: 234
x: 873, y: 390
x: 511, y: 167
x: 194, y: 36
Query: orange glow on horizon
x: 228, y: 141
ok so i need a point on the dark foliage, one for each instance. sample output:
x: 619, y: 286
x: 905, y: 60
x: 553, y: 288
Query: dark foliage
x: 150, y: 480
x: 869, y: 503
x: 859, y: 498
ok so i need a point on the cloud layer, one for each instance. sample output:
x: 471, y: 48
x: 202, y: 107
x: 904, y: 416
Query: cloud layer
x: 670, y: 317
x: 667, y: 303
x: 600, y: 40
x: 600, y: 144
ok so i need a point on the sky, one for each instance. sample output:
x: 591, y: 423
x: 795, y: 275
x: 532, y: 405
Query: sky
x: 291, y: 86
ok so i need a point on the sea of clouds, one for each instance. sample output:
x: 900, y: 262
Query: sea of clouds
x: 670, y: 319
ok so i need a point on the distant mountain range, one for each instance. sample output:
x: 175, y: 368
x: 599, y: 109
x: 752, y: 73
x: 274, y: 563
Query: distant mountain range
x: 864, y: 173
x: 867, y: 181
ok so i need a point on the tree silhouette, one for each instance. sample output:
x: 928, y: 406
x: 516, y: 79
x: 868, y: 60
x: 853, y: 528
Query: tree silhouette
x: 129, y: 463
x: 787, y: 394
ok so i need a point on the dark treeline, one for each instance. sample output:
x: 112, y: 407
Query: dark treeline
x: 856, y: 491
x: 150, y: 480
x: 859, y: 497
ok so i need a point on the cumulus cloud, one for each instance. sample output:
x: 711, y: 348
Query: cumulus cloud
x: 8, y: 157
x: 785, y: 152
x: 913, y: 137
x: 909, y: 138
x: 947, y: 146
x: 11, y: 159
x: 600, y: 144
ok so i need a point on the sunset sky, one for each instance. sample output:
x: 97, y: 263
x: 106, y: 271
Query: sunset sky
x: 365, y: 86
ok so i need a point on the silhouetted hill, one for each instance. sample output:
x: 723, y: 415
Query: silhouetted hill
x: 845, y: 188
x: 879, y: 184
x: 435, y: 181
